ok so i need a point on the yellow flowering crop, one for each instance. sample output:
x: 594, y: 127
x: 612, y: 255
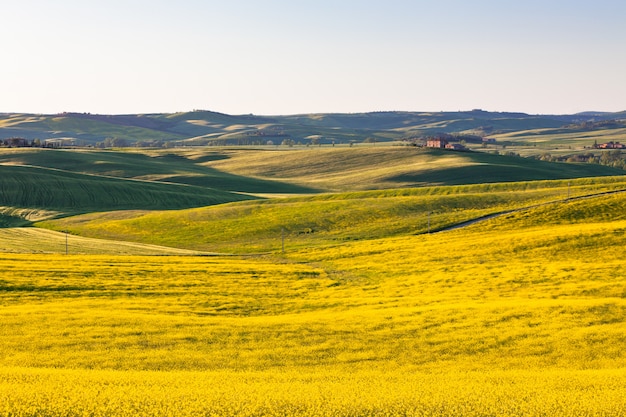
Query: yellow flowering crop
x: 491, y: 320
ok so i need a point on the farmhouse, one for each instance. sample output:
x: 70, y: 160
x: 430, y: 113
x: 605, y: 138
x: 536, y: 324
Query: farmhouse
x: 441, y: 143
x: 455, y: 146
x: 610, y: 145
x: 436, y: 143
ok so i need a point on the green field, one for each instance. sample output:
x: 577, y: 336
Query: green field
x: 319, y: 299
x: 157, y: 166
x: 42, y: 183
x: 327, y: 219
x: 384, y: 167
x: 29, y: 193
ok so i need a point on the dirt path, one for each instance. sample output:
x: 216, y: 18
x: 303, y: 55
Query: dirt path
x: 502, y: 213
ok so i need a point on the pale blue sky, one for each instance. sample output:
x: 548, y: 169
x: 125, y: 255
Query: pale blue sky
x: 288, y: 57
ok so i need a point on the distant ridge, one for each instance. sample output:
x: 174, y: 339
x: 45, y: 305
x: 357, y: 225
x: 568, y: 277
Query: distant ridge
x: 202, y: 127
x: 603, y: 115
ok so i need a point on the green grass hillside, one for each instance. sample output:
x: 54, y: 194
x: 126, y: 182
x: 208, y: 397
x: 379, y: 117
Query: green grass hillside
x: 304, y: 170
x: 162, y: 166
x: 26, y: 190
x: 348, y: 169
x: 329, y: 219
x: 39, y: 183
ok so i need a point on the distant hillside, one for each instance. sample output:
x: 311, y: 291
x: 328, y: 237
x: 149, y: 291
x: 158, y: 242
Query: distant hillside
x: 206, y: 127
x: 188, y: 168
x: 299, y: 170
x: 383, y: 167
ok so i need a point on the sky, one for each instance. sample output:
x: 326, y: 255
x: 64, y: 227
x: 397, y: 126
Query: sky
x: 279, y: 57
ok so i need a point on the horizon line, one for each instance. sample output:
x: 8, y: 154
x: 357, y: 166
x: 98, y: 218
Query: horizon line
x: 475, y: 110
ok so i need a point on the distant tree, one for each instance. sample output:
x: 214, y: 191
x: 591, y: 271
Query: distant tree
x: 116, y: 143
x: 288, y: 142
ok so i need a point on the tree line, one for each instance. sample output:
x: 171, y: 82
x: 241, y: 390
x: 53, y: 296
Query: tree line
x: 613, y: 158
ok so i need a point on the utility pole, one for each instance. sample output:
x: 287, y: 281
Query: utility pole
x: 429, y: 222
x: 66, y: 247
x: 568, y: 190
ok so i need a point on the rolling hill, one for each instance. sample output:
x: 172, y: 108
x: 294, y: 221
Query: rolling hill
x: 42, y: 183
x: 30, y: 193
x: 165, y: 166
x: 348, y: 169
x: 329, y: 219
x: 206, y: 127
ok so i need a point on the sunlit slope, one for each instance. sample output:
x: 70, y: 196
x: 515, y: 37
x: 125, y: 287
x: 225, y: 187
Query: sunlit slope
x: 84, y: 127
x: 262, y: 226
x: 348, y: 169
x: 164, y: 166
x: 27, y: 190
x: 464, y: 299
x: 564, y: 137
x: 39, y: 241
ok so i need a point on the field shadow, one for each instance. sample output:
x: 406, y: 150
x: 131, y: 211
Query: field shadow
x: 203, y: 176
x: 512, y: 170
x: 229, y: 182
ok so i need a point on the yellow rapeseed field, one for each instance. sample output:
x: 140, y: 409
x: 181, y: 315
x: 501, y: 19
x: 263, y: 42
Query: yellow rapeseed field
x: 491, y: 320
x: 293, y: 391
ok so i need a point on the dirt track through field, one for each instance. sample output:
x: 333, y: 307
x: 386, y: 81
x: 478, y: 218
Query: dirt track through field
x: 502, y: 213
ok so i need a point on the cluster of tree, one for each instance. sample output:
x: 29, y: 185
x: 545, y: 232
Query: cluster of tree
x: 602, y: 124
x: 614, y: 158
x: 505, y: 153
x: 315, y: 140
x: 113, y: 143
x: 25, y: 143
x: 270, y: 131
x: 466, y: 138
x: 125, y: 143
x: 16, y: 142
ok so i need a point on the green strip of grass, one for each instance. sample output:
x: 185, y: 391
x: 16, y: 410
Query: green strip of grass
x: 70, y: 193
